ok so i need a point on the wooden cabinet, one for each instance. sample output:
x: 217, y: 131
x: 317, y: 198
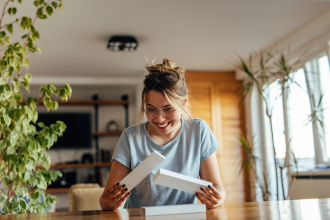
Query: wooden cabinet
x: 215, y: 98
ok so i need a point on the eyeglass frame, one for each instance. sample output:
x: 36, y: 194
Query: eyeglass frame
x: 159, y: 110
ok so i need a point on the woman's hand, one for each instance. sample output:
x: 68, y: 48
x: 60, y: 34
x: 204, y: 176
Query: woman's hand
x: 210, y: 196
x: 115, y: 196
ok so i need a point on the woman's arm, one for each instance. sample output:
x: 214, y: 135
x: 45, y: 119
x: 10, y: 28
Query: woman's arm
x: 114, y: 194
x: 209, y: 171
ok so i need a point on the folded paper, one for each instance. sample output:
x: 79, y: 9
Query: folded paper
x: 179, y: 181
x: 172, y: 209
x: 142, y: 170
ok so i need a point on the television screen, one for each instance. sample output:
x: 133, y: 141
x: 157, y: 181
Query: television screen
x: 78, y: 133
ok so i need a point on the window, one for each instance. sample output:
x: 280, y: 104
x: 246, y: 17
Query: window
x: 325, y: 83
x: 317, y: 73
x: 300, y: 129
x: 291, y: 109
x: 307, y: 139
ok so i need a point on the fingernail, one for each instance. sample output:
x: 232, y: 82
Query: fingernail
x: 124, y: 185
x: 202, y: 188
x: 117, y: 184
x: 129, y: 193
x: 126, y: 189
x: 209, y: 186
x: 196, y: 194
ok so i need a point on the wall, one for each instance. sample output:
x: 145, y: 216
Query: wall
x: 106, y: 113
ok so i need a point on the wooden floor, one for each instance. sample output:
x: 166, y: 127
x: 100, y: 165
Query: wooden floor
x: 312, y: 209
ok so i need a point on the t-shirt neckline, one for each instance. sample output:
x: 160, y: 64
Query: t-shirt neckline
x: 169, y: 143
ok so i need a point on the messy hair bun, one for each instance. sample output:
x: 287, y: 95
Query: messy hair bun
x: 167, y: 66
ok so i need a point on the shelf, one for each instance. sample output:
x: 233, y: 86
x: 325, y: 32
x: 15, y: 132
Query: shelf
x: 57, y: 190
x: 87, y: 102
x: 53, y: 190
x: 77, y: 165
x: 107, y: 133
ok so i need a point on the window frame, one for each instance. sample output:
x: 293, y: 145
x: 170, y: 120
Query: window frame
x: 321, y: 156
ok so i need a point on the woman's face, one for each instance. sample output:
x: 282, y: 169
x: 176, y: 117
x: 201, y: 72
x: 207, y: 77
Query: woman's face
x: 161, y: 124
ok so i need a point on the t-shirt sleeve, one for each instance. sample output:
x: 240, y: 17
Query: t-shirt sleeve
x: 122, y: 152
x: 209, y: 144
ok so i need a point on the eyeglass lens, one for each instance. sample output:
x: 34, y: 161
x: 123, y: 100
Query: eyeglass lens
x: 152, y: 113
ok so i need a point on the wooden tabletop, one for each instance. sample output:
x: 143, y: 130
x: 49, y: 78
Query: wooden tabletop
x: 313, y: 209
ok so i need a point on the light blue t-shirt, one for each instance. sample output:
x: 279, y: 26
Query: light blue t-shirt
x: 194, y: 143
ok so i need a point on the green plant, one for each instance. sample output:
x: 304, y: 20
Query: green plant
x: 21, y: 146
x: 250, y: 163
x: 258, y: 76
x: 262, y: 70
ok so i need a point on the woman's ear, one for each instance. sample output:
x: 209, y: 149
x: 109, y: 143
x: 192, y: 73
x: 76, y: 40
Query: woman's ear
x: 185, y: 102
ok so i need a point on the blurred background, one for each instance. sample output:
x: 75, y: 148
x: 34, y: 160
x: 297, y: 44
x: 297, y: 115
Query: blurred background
x: 211, y: 40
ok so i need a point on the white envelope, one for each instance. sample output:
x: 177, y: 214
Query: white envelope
x: 179, y: 181
x: 172, y: 209
x: 142, y: 170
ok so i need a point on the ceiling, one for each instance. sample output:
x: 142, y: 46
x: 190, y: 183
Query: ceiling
x: 198, y: 35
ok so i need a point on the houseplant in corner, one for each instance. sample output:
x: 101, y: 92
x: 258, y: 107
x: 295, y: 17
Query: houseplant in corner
x: 261, y: 71
x: 21, y: 146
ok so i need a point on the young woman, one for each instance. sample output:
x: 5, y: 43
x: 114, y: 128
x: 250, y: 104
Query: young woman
x: 188, y: 145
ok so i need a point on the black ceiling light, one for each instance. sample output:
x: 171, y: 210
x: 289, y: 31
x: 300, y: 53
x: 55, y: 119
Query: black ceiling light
x: 122, y: 43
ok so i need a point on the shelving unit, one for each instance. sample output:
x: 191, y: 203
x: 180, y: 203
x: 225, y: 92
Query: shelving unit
x: 107, y: 133
x: 76, y: 165
x: 86, y: 102
x: 54, y: 190
x: 57, y: 190
x: 96, y: 134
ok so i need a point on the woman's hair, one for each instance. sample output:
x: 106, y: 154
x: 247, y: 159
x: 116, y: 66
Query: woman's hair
x: 168, y: 80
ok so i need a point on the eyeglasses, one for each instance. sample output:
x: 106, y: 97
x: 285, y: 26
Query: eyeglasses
x: 165, y: 112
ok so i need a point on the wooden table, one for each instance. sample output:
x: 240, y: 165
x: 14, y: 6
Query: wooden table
x: 313, y: 209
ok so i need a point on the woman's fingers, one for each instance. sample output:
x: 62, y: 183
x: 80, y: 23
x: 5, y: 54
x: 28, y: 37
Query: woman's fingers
x: 214, y: 191
x: 116, y: 195
x: 113, y: 191
x: 117, y: 192
x: 122, y: 199
x: 110, y: 190
x: 120, y: 195
x: 209, y: 195
x: 204, y: 200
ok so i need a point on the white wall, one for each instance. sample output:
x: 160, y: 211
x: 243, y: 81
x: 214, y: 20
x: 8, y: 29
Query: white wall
x: 302, y: 42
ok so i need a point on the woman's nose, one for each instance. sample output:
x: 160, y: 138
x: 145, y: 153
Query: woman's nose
x: 160, y: 117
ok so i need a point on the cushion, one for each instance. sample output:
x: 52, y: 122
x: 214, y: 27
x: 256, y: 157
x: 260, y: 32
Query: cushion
x: 83, y: 198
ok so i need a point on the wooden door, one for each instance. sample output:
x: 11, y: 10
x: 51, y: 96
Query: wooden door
x: 201, y: 101
x: 215, y: 98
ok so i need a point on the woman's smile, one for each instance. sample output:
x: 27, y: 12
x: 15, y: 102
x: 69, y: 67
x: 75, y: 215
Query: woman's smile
x: 163, y: 125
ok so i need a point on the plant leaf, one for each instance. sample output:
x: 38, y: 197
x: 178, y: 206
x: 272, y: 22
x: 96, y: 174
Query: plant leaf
x: 22, y: 204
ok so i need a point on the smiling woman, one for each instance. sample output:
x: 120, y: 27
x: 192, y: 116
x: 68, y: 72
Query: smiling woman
x: 169, y: 81
x: 162, y: 128
x: 188, y: 145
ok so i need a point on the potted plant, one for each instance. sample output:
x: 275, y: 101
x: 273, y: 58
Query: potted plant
x: 22, y: 147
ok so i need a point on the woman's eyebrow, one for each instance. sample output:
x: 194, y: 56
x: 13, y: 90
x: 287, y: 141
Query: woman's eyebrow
x: 163, y: 106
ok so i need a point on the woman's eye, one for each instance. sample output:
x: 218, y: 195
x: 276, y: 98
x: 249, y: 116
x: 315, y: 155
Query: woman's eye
x: 151, y: 109
x: 168, y: 109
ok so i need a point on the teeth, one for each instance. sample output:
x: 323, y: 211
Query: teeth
x: 163, y: 125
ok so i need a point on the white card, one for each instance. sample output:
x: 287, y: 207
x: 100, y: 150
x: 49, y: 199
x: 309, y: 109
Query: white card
x: 172, y: 209
x: 142, y: 170
x: 179, y: 181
